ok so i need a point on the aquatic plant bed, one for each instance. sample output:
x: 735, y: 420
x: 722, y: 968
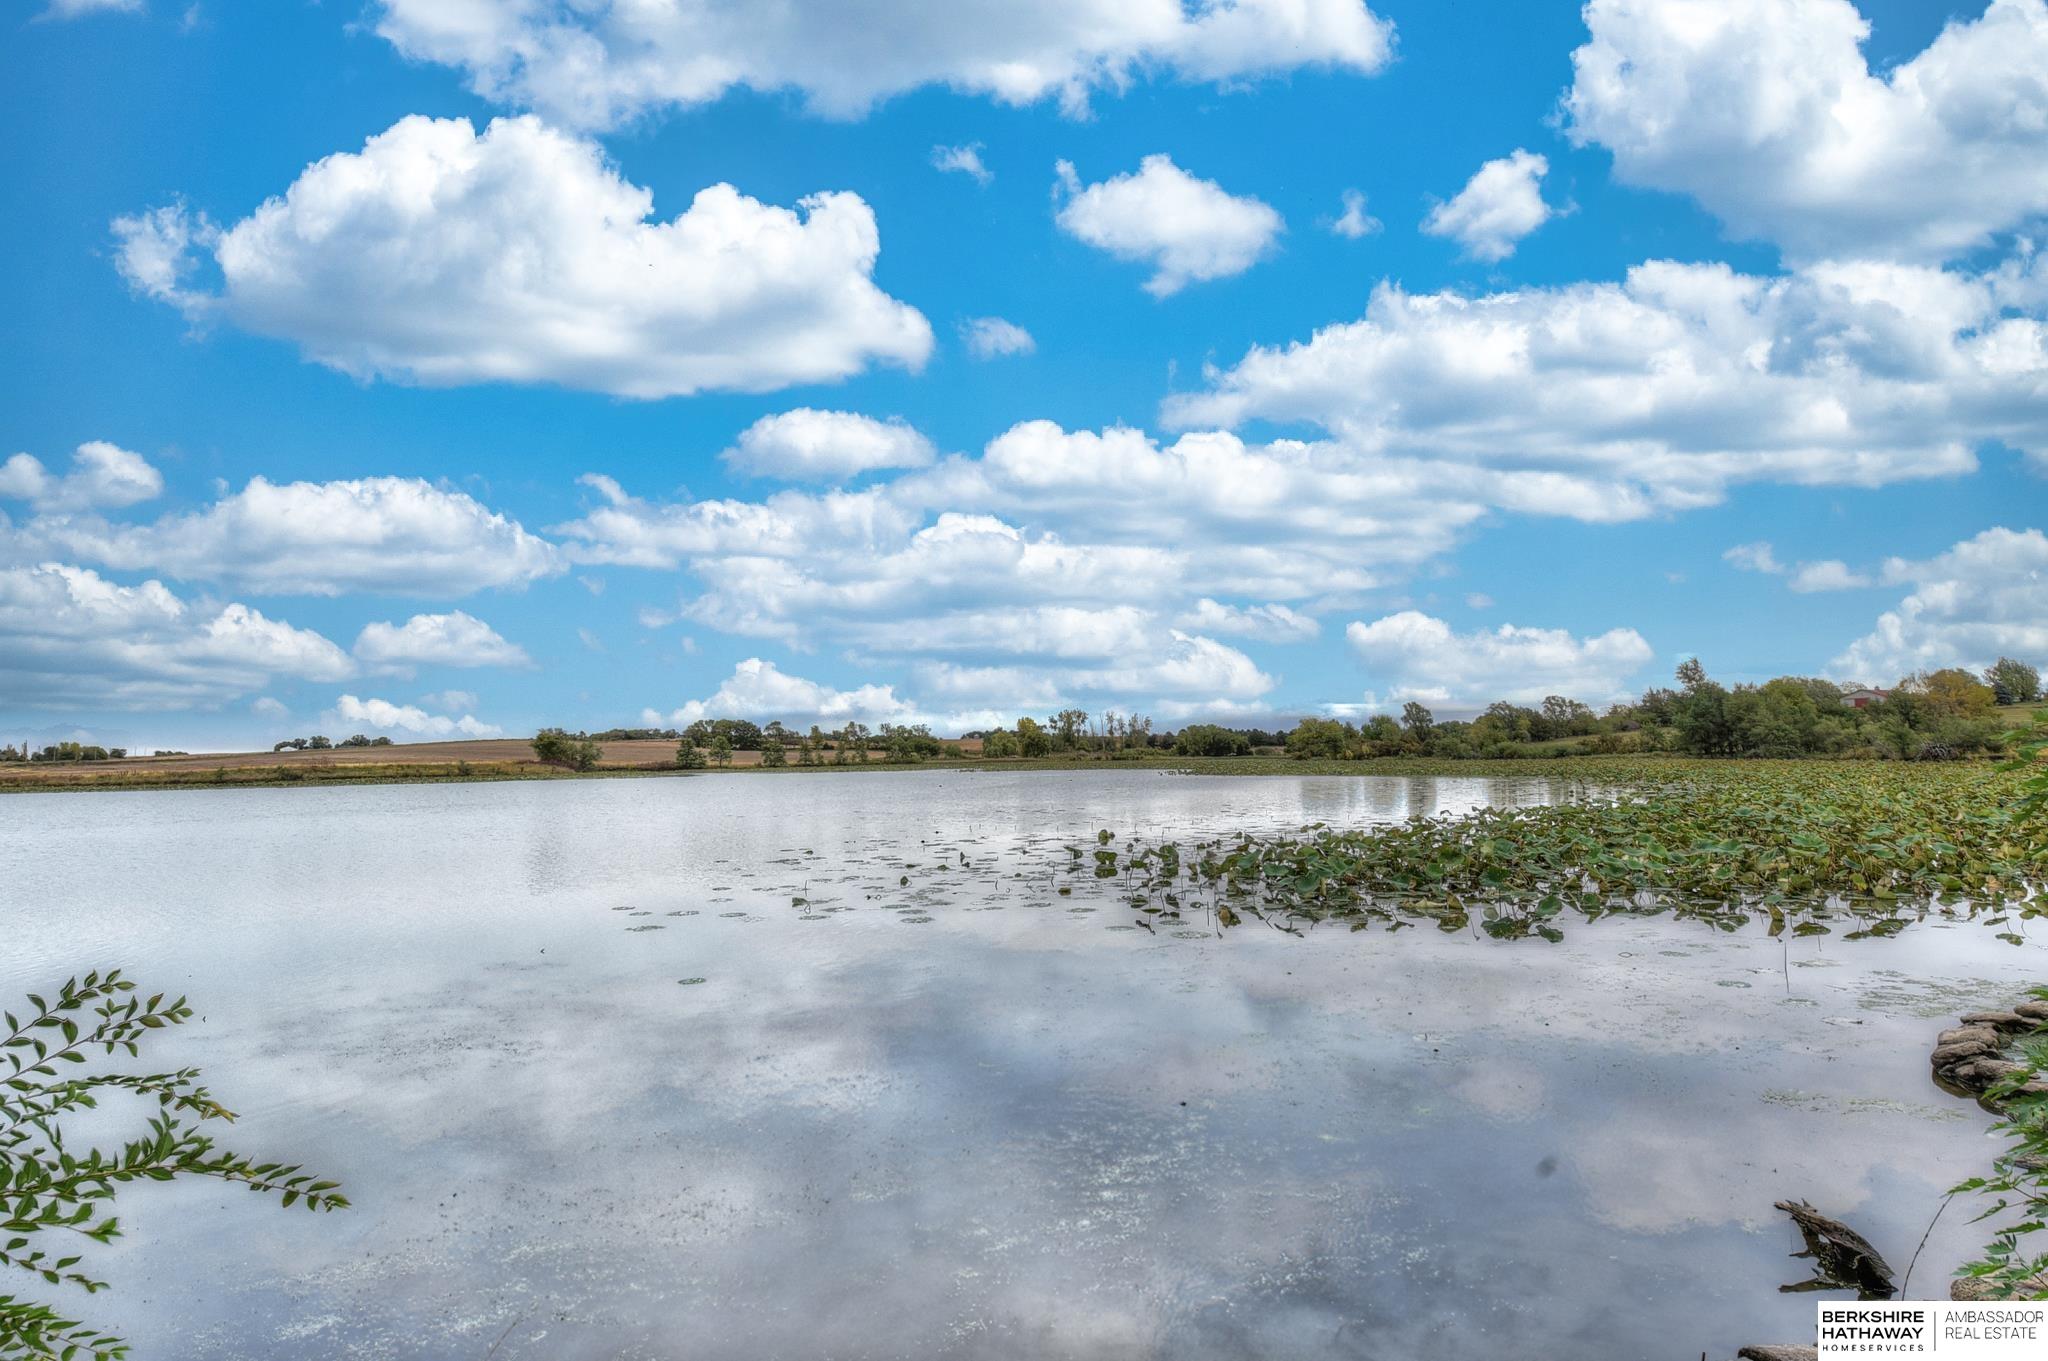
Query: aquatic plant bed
x: 1808, y: 846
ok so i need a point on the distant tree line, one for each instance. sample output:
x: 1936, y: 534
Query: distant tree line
x: 1926, y: 716
x: 1935, y: 715
x: 60, y: 751
x: 319, y: 743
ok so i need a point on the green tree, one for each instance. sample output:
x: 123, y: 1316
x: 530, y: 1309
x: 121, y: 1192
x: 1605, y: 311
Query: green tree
x: 552, y: 746
x: 1207, y: 739
x: 1777, y: 719
x: 1505, y: 722
x: 1032, y: 740
x: 1069, y: 727
x: 1954, y: 693
x: 1319, y: 739
x: 772, y: 752
x: 49, y: 1185
x: 998, y: 745
x: 689, y: 755
x: 1417, y: 720
x: 721, y: 750
x: 2013, y: 682
x: 850, y: 745
x: 807, y: 750
x: 1567, y: 717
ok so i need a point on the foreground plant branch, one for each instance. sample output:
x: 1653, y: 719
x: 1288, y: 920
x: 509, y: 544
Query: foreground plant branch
x: 51, y: 1194
x: 2019, y: 1175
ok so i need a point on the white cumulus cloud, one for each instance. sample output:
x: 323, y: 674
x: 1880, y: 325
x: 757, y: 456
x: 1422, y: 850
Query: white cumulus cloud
x: 1411, y: 655
x: 1829, y: 574
x: 811, y: 445
x: 1985, y: 598
x: 436, y: 255
x: 453, y: 639
x: 1499, y: 205
x: 1767, y: 113
x: 1613, y: 400
x: 602, y: 62
x: 1354, y: 222
x: 757, y: 689
x: 71, y: 639
x: 1189, y: 230
x: 385, y: 535
x: 101, y: 475
x: 410, y: 718
x: 1269, y: 623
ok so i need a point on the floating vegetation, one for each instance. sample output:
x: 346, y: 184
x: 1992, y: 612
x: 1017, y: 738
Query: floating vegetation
x: 1804, y: 846
x: 689, y: 982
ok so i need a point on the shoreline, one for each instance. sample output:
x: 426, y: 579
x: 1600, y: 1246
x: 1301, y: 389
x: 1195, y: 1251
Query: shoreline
x: 234, y: 772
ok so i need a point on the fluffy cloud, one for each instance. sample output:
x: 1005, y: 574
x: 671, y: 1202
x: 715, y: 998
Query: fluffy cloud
x: 1187, y: 675
x: 1755, y: 557
x: 1289, y: 522
x: 439, y: 256
x: 1411, y: 655
x: 810, y: 445
x: 1611, y: 401
x: 757, y: 689
x: 378, y: 713
x: 924, y: 570
x: 1189, y: 230
x: 1499, y: 205
x: 1767, y: 112
x: 1270, y: 623
x: 601, y: 62
x: 1354, y: 222
x: 384, y: 535
x: 992, y: 337
x: 454, y: 639
x: 962, y: 160
x: 1985, y: 598
x: 1829, y: 574
x: 102, y: 474
x: 69, y: 638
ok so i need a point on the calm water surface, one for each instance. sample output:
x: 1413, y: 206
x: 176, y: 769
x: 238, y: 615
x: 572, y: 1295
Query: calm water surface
x: 939, y: 1110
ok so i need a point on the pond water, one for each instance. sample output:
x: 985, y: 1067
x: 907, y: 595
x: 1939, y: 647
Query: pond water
x: 938, y: 1109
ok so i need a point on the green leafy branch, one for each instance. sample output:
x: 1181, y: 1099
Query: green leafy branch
x: 48, y: 1191
x: 2018, y: 1181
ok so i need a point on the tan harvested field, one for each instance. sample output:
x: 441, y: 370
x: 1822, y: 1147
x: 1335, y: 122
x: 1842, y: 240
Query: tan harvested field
x: 499, y: 756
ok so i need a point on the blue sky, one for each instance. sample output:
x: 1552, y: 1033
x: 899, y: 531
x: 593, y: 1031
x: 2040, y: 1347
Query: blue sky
x: 430, y: 438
